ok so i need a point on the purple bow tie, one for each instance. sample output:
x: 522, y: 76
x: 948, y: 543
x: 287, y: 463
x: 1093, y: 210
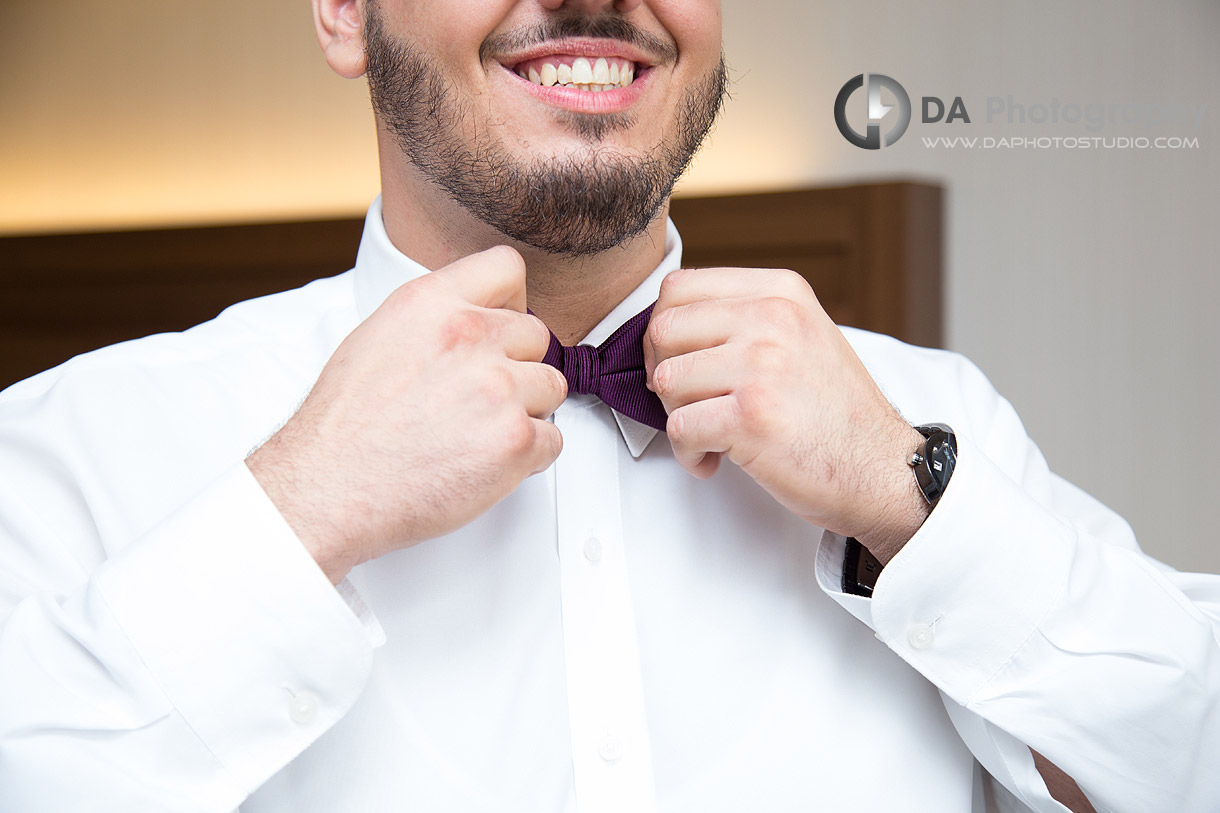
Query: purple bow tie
x: 614, y: 371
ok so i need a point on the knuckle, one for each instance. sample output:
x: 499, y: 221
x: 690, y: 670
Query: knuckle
x: 781, y: 312
x: 406, y: 296
x: 559, y: 384
x: 464, y: 327
x: 496, y: 386
x: 663, y: 377
x: 669, y: 283
x: 673, y: 282
x: 518, y: 435
x: 766, y: 359
x: 548, y: 386
x: 804, y: 297
x: 754, y: 406
x: 794, y: 284
x: 542, y: 331
x: 678, y: 427
x: 554, y: 442
x: 660, y: 327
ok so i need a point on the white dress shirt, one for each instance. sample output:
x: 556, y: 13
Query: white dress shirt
x: 615, y: 636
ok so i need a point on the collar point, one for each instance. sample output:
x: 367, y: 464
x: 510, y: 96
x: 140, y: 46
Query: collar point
x: 637, y: 435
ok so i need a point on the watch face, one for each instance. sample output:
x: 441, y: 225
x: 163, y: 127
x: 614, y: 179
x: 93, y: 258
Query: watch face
x: 944, y: 457
x: 935, y: 466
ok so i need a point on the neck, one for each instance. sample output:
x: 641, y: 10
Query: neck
x: 570, y: 295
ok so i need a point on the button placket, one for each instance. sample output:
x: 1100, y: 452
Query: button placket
x: 609, y: 751
x: 593, y: 550
x: 612, y: 764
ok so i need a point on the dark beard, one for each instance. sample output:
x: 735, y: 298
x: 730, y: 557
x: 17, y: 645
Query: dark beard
x: 571, y: 205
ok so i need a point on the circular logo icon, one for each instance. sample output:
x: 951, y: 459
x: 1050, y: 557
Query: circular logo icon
x: 871, y: 140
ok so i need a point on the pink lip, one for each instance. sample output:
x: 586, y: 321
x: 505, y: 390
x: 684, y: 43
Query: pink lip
x: 584, y: 101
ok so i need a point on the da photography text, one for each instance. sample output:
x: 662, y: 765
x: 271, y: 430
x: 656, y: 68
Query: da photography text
x: 885, y: 108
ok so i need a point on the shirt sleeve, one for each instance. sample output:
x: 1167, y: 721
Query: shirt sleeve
x: 1030, y: 606
x: 183, y: 672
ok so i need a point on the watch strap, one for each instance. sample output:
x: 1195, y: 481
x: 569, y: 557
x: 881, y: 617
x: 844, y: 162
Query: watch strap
x: 860, y: 570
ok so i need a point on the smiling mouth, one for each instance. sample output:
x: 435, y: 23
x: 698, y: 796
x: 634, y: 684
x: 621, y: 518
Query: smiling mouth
x: 595, y: 75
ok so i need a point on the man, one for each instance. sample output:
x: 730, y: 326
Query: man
x: 455, y: 579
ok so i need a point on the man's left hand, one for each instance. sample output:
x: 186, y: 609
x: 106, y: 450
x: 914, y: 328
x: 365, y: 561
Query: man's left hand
x: 748, y: 365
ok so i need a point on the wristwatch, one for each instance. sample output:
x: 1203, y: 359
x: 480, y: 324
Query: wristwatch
x: 933, y: 466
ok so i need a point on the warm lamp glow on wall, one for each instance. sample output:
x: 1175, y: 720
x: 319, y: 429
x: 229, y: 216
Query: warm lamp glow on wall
x: 138, y: 187
x: 145, y: 113
x: 133, y: 189
x: 743, y: 158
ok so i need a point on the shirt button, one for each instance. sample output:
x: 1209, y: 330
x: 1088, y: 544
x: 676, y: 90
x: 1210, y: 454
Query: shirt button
x: 920, y: 636
x: 593, y: 549
x: 609, y: 751
x: 303, y: 707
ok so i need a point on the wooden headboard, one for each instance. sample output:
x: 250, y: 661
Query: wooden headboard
x: 872, y: 252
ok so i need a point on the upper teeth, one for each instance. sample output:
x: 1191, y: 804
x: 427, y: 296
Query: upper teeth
x: 601, y: 74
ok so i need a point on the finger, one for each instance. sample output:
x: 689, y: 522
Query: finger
x: 687, y: 328
x: 494, y: 278
x: 687, y: 285
x: 697, y: 376
x: 525, y: 337
x: 700, y: 433
x: 548, y: 443
x: 542, y: 387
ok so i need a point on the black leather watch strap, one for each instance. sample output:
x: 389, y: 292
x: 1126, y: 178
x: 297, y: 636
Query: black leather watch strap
x: 860, y: 570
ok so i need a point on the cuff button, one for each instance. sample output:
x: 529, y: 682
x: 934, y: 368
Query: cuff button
x: 920, y: 636
x: 303, y: 707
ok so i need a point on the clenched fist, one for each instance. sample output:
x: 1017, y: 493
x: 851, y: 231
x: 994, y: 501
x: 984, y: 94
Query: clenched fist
x: 749, y: 366
x: 428, y: 414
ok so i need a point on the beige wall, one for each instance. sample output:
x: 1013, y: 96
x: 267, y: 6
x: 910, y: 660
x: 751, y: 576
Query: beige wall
x: 1083, y: 283
x: 147, y: 111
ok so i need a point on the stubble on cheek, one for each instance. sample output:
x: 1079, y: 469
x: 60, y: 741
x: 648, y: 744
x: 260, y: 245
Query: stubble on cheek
x: 576, y: 204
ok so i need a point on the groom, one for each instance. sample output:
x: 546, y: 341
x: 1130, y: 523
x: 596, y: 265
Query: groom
x: 472, y: 570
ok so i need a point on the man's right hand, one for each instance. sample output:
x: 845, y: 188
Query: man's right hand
x: 426, y: 416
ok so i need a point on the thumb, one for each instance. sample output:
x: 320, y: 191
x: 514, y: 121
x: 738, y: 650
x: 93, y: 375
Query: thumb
x: 494, y: 278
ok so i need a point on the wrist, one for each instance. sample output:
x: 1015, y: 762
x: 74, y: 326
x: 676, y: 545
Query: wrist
x: 304, y: 516
x: 901, y: 507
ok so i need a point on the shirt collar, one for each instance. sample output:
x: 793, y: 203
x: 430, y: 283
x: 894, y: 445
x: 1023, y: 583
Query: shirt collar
x: 380, y: 268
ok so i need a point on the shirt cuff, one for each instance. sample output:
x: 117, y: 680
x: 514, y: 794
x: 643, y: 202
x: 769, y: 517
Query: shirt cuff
x: 240, y: 628
x: 970, y: 588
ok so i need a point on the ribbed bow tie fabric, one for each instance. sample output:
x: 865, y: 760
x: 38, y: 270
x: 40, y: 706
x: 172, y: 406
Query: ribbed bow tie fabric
x: 613, y: 371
